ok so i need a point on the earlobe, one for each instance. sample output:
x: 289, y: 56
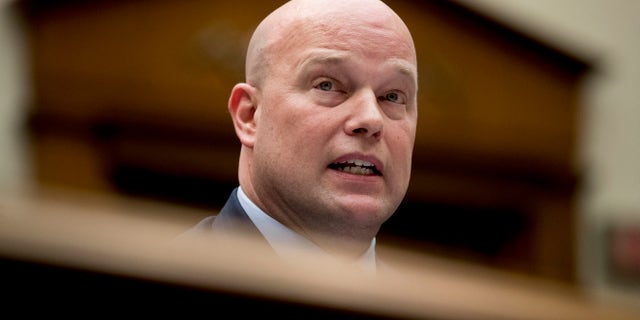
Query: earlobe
x: 242, y: 107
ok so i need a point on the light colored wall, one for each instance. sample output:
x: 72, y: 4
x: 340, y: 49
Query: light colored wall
x: 14, y: 94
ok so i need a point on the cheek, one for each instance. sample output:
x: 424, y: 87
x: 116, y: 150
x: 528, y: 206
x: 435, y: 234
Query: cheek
x: 402, y: 136
x: 288, y: 131
x: 300, y: 121
x: 401, y: 143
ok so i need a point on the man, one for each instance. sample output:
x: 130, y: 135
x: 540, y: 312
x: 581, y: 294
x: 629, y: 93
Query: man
x: 327, y: 120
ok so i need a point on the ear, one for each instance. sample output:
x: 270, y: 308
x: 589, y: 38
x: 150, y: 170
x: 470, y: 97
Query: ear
x: 242, y: 107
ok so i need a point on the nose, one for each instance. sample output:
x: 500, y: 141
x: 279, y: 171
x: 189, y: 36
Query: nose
x: 366, y: 117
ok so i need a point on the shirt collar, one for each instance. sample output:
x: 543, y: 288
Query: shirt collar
x: 287, y: 242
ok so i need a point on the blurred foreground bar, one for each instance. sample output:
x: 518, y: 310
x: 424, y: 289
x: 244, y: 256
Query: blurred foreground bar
x: 60, y: 256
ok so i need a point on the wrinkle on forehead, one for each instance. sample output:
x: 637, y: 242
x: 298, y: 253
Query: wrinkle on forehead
x: 313, y: 22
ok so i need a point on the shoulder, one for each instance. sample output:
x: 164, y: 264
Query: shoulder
x: 231, y: 218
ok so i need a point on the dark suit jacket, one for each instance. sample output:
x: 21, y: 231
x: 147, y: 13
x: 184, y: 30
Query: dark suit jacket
x: 231, y: 219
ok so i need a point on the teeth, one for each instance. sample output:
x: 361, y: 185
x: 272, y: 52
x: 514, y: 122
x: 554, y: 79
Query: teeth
x: 360, y: 163
x: 356, y: 166
x: 357, y: 170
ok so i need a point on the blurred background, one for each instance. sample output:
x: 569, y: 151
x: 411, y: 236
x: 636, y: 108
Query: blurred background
x: 528, y: 150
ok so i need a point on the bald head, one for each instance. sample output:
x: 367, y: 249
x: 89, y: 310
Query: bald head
x: 306, y: 20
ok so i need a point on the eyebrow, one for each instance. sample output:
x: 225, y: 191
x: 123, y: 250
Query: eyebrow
x: 323, y: 56
x: 406, y: 68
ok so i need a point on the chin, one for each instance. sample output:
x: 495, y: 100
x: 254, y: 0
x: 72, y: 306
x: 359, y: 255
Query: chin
x: 366, y: 208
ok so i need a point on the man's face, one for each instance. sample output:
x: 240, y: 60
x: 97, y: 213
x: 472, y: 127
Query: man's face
x: 336, y: 122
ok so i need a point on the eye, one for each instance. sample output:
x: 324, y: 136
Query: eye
x: 394, y: 97
x: 325, y: 85
x: 327, y: 91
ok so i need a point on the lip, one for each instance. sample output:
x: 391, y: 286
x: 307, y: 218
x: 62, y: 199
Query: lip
x: 359, y: 156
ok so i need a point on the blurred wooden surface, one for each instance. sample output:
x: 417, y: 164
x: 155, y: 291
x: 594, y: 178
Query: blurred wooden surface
x: 77, y: 252
x: 130, y: 98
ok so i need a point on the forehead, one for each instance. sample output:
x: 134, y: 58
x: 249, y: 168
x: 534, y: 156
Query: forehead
x: 383, y: 37
x: 326, y: 41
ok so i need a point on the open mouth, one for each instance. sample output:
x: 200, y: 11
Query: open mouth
x: 358, y: 167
